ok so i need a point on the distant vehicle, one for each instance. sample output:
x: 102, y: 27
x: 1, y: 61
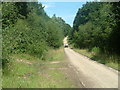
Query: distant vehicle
x: 66, y: 45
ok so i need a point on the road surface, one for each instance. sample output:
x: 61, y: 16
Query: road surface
x: 92, y: 74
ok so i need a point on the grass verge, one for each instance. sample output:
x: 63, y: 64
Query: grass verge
x: 111, y: 61
x: 26, y: 71
x: 0, y: 79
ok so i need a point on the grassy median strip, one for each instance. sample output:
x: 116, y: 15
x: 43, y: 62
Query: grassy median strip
x: 108, y: 60
x: 26, y: 71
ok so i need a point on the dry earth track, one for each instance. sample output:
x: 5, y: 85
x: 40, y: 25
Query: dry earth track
x: 90, y: 73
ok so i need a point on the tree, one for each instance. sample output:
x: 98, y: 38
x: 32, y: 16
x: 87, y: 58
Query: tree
x: 28, y: 29
x: 97, y: 25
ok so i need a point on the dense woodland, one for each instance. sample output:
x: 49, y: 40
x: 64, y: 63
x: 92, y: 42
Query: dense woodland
x: 28, y: 29
x: 97, y: 25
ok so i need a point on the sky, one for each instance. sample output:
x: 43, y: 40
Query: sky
x: 66, y: 10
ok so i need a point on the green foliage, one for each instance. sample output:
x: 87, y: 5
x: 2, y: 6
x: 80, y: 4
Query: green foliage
x: 84, y: 35
x: 28, y: 29
x: 65, y: 28
x: 95, y: 50
x: 54, y: 39
x: 97, y: 25
x: 96, y: 28
x: 9, y: 11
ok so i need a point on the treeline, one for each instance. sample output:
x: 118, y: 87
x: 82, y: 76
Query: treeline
x: 26, y: 28
x: 97, y: 25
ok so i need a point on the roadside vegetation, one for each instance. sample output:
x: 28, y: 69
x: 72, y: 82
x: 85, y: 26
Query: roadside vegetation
x: 31, y: 39
x: 108, y: 60
x: 26, y: 71
x: 27, y: 29
x: 96, y: 32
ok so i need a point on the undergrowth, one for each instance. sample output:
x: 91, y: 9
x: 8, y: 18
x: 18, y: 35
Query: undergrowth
x: 27, y: 71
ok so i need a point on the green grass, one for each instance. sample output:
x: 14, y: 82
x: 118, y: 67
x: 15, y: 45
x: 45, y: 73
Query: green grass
x: 84, y: 52
x: 113, y: 65
x: 57, y: 54
x: 26, y: 71
x: 0, y: 79
x: 108, y: 60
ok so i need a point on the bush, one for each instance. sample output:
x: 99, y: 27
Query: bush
x: 95, y: 50
x: 31, y: 31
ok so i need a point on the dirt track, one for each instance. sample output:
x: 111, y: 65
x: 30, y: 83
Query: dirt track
x: 90, y: 73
